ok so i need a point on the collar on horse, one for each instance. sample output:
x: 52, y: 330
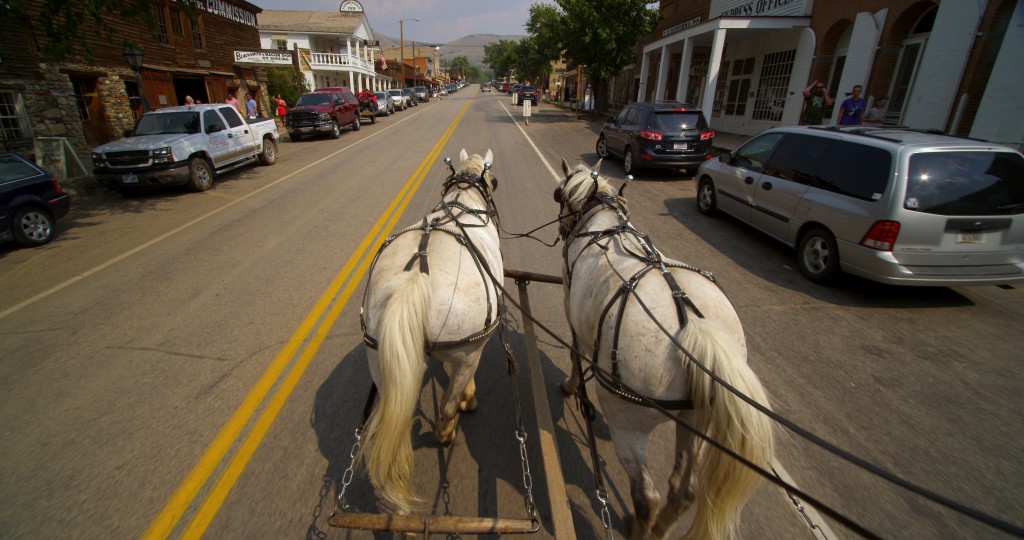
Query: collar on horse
x: 597, y: 202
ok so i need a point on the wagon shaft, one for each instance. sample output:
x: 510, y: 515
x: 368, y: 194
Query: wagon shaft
x: 432, y: 524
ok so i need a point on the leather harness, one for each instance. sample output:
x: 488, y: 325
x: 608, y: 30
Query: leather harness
x: 597, y: 202
x: 448, y: 224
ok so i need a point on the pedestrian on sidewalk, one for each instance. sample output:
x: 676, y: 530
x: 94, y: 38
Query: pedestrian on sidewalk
x: 816, y: 98
x: 851, y: 111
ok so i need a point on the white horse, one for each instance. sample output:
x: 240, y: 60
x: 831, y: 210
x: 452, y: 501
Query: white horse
x: 602, y: 253
x: 429, y: 293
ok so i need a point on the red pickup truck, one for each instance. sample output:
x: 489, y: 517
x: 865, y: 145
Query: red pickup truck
x: 324, y: 110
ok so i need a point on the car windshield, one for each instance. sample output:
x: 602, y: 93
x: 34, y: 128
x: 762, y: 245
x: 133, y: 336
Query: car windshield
x: 421, y: 89
x: 966, y: 183
x: 395, y: 92
x: 162, y: 123
x: 380, y: 95
x: 673, y: 121
x: 314, y: 99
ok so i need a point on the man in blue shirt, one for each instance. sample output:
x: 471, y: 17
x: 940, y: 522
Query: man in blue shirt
x: 250, y: 106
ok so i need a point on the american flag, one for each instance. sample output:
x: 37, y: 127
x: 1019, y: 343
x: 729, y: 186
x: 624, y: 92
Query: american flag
x: 383, y: 62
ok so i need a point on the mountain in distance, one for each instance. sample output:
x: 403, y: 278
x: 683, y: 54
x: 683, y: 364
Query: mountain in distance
x: 471, y: 46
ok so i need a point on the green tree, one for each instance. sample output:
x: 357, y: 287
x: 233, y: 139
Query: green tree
x: 598, y: 34
x: 284, y: 81
x: 501, y: 57
x: 459, y: 65
x: 66, y: 23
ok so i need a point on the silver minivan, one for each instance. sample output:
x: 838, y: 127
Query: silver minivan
x: 893, y: 205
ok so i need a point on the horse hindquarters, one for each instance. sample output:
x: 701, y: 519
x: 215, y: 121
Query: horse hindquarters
x: 405, y: 298
x: 724, y: 483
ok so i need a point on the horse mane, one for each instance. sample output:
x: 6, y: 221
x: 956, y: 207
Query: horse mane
x: 577, y: 189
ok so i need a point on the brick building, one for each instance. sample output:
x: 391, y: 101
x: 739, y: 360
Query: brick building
x: 93, y: 102
x: 950, y: 65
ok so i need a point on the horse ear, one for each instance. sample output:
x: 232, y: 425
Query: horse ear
x: 463, y: 156
x: 489, y: 157
x: 597, y: 168
x: 565, y: 168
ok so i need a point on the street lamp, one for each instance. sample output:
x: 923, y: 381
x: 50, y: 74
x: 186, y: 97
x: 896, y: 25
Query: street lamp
x: 133, y: 56
x: 401, y: 37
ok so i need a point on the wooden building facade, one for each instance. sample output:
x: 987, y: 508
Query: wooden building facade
x: 91, y: 100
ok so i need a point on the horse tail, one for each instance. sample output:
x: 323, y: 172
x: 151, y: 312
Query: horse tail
x: 725, y: 483
x: 400, y: 359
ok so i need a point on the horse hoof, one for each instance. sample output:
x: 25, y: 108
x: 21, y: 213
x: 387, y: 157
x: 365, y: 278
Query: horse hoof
x: 468, y: 406
x: 445, y: 439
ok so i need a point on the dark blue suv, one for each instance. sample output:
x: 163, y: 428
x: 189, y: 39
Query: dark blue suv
x: 657, y: 135
x: 31, y: 202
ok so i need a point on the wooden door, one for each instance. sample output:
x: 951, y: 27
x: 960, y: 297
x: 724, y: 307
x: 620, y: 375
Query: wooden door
x: 91, y: 110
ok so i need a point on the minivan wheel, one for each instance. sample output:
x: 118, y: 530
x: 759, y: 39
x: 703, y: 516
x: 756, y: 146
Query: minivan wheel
x: 818, y: 255
x: 707, y: 203
x: 602, y: 147
x: 32, y: 226
x: 627, y: 161
x: 335, y: 130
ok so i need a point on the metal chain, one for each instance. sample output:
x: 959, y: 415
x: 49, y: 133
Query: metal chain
x: 325, y: 493
x: 606, y: 515
x: 531, y: 507
x: 803, y: 512
x: 346, y: 479
x: 520, y: 432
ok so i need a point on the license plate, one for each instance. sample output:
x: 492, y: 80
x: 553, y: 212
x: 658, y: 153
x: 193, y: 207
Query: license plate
x: 129, y: 178
x: 679, y: 146
x: 306, y: 130
x: 970, y: 238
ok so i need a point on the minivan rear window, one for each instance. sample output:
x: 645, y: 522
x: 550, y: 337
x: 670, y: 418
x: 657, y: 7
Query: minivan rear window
x: 678, y: 121
x: 856, y: 170
x: 966, y: 183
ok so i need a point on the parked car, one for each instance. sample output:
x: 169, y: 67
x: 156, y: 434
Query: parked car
x: 31, y: 202
x: 657, y: 135
x: 421, y: 93
x: 186, y: 145
x: 527, y: 93
x: 410, y: 97
x: 323, y: 111
x: 891, y: 205
x: 385, y: 104
x: 401, y: 102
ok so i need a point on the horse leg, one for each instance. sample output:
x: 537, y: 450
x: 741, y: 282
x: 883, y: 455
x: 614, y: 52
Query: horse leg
x: 631, y: 447
x: 468, y: 402
x: 464, y: 364
x: 680, y: 483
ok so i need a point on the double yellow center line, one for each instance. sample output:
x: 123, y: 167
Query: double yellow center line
x: 349, y: 277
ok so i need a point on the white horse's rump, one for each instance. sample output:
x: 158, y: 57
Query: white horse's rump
x: 428, y: 293
x: 602, y: 252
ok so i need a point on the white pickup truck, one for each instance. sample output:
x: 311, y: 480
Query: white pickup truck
x: 184, y: 145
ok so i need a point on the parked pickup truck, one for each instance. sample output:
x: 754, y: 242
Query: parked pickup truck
x: 185, y: 145
x: 324, y: 110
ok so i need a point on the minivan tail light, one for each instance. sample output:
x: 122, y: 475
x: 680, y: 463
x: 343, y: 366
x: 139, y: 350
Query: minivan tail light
x: 650, y: 135
x: 882, y: 235
x: 707, y: 135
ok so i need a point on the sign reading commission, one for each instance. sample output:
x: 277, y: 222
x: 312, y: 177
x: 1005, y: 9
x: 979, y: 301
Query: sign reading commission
x: 278, y: 58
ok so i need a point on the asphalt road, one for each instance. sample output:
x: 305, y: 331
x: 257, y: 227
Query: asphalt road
x: 182, y: 365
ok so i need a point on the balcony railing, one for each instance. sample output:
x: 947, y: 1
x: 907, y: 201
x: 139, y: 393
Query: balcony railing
x: 339, y: 62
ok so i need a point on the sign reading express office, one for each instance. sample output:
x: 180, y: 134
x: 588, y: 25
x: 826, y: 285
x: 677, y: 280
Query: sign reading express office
x: 276, y: 58
x: 759, y: 8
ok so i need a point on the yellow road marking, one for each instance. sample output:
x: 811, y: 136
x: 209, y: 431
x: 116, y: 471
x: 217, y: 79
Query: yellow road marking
x: 164, y: 523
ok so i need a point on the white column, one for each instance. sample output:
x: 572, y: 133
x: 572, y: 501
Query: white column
x: 350, y: 80
x: 683, y: 84
x: 645, y: 66
x: 714, y: 65
x: 661, y: 83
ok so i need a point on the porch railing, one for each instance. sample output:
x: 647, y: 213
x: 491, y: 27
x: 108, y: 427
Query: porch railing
x: 339, y: 61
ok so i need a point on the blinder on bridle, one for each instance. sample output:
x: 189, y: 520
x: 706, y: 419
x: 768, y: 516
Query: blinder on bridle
x: 486, y: 182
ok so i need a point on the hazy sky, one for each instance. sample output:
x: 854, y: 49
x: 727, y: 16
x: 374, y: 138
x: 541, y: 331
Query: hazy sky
x: 440, y: 21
